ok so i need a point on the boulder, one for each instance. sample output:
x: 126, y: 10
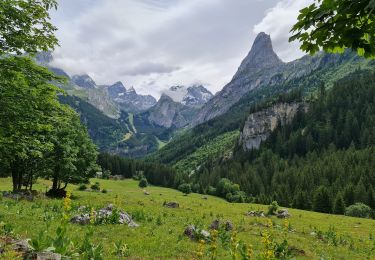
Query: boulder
x: 48, y: 256
x: 171, y: 204
x: 194, y: 234
x: 21, y: 246
x: 82, y: 219
x: 227, y: 225
x: 255, y: 214
x: 205, y: 198
x: 103, y: 214
x: 283, y: 213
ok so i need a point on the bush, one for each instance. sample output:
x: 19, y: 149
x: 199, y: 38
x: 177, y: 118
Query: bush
x: 104, y: 191
x: 82, y: 187
x: 211, y: 191
x: 143, y: 183
x: 185, y: 188
x: 95, y: 186
x: 359, y: 210
x: 272, y: 208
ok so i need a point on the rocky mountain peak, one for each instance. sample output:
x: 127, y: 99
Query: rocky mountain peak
x: 261, y: 55
x: 84, y: 81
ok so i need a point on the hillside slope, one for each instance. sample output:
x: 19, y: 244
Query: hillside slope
x: 308, y: 235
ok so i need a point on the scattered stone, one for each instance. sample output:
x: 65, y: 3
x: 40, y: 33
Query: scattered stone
x: 48, y: 256
x: 227, y: 225
x: 102, y: 214
x: 205, y: 198
x: 26, y: 195
x: 283, y: 213
x: 82, y: 219
x: 254, y: 213
x: 172, y: 205
x: 146, y: 192
x: 313, y: 234
x: 192, y: 232
x: 215, y: 224
x: 21, y: 246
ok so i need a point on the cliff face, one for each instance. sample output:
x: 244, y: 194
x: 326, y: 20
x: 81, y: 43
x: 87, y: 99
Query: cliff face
x: 259, y: 125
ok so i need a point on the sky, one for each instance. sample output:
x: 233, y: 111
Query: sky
x: 155, y: 44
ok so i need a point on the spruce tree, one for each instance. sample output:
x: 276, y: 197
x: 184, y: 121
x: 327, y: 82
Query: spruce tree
x: 339, y: 205
x: 321, y: 200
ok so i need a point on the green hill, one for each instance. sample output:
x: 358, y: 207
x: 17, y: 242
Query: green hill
x: 307, y: 235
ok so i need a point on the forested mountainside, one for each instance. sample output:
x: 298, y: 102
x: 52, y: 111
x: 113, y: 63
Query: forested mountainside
x: 329, y: 69
x: 321, y: 159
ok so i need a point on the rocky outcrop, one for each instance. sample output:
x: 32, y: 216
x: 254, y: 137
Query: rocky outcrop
x: 257, y: 69
x: 84, y: 81
x: 129, y: 100
x: 170, y: 114
x: 262, y: 68
x: 103, y: 216
x: 259, y: 125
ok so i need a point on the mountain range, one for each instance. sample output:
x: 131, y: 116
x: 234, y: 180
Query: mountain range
x: 153, y: 124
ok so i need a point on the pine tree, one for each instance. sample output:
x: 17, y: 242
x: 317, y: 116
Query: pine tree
x: 339, y: 205
x: 321, y: 200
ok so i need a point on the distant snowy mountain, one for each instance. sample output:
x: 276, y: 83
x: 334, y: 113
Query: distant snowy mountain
x: 195, y: 95
x: 128, y: 99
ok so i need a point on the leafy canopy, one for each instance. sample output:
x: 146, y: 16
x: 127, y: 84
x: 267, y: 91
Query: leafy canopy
x: 25, y: 26
x: 335, y: 25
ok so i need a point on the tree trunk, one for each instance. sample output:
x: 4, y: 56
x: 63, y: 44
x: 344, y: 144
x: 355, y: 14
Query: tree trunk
x: 54, y: 184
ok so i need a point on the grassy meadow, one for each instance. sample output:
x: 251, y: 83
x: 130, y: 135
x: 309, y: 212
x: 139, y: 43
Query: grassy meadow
x: 160, y: 235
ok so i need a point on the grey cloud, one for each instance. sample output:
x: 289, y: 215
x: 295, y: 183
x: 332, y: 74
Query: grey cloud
x: 147, y: 68
x: 165, y: 42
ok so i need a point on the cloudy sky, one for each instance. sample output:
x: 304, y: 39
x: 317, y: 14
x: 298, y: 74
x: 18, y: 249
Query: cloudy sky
x: 153, y: 44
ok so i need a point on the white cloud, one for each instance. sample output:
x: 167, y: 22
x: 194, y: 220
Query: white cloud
x: 278, y: 22
x: 154, y: 44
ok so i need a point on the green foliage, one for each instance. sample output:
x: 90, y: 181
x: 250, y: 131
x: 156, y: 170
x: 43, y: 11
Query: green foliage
x: 82, y: 187
x: 339, y: 205
x: 185, y: 188
x: 143, y: 183
x: 330, y: 145
x: 25, y: 26
x: 359, y: 210
x: 336, y: 25
x: 321, y: 200
x: 272, y: 208
x: 95, y: 186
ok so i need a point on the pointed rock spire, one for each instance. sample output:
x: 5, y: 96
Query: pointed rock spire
x: 261, y: 55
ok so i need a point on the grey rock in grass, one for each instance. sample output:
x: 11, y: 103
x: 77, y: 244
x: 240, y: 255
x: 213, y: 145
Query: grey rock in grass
x: 102, y: 214
x: 171, y: 204
x: 283, y: 213
x: 194, y: 234
x: 48, y: 256
x: 256, y: 214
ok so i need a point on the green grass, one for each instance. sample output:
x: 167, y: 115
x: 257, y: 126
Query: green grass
x: 155, y: 240
x: 219, y: 146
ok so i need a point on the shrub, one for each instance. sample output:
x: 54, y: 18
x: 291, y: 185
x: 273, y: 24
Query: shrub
x: 143, y: 183
x: 82, y: 187
x: 272, y: 208
x: 185, y: 188
x: 359, y: 210
x: 96, y: 186
x: 104, y: 191
x: 211, y: 191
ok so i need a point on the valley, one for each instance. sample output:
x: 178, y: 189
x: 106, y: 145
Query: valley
x: 187, y: 129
